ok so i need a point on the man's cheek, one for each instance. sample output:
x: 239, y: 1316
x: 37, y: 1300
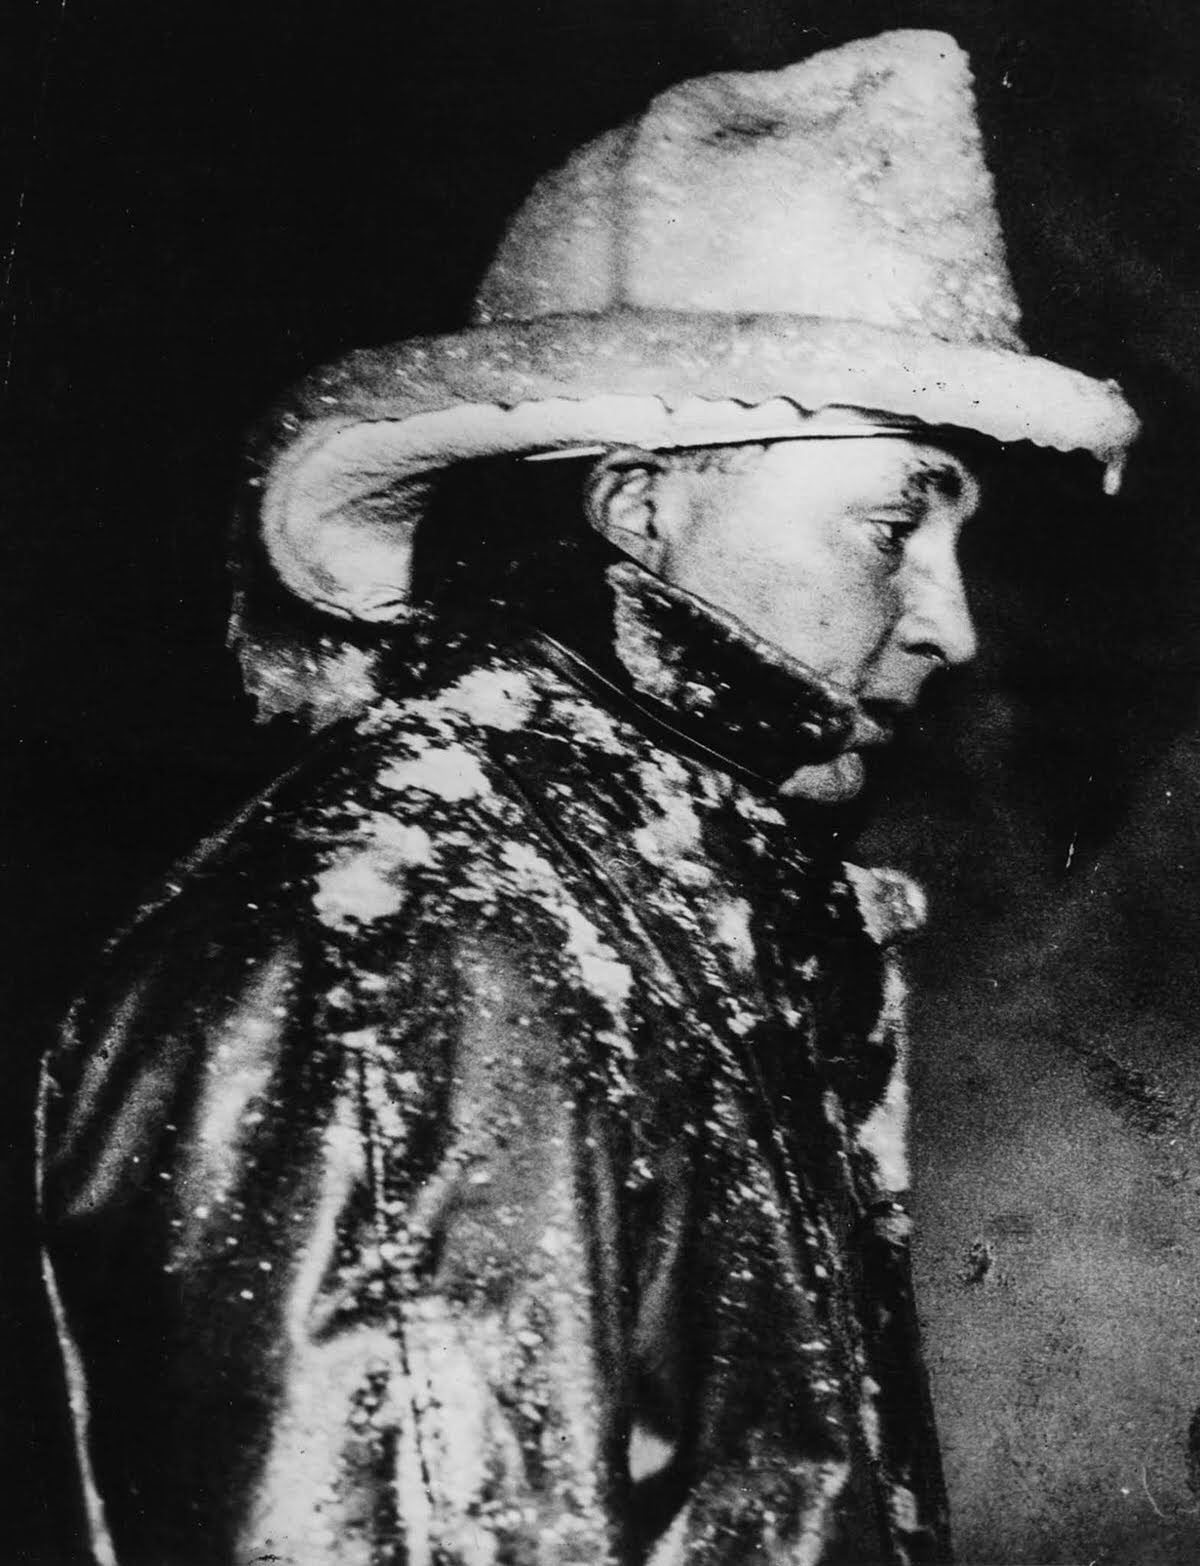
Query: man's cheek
x: 859, y: 621
x: 874, y: 609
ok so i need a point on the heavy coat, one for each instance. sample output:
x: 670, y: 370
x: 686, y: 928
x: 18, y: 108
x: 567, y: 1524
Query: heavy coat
x: 490, y: 1148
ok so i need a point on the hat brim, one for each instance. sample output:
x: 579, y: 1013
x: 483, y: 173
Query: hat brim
x: 359, y: 428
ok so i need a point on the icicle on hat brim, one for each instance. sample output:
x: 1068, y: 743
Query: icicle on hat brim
x: 755, y: 253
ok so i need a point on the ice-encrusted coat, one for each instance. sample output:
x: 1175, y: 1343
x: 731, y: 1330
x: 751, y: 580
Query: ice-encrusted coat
x: 489, y: 1150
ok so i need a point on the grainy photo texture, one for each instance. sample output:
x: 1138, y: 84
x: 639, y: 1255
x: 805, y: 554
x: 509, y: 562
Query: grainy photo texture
x: 602, y: 598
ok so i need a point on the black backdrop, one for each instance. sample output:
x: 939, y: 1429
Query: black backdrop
x: 204, y: 199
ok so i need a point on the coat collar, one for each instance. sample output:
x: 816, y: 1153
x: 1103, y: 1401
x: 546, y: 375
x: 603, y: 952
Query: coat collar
x: 706, y: 685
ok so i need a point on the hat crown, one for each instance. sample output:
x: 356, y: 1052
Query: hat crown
x: 850, y: 186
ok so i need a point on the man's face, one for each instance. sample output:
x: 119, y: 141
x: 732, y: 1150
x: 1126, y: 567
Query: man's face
x: 843, y: 553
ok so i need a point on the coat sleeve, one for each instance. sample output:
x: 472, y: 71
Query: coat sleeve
x: 320, y: 1262
x: 197, y: 1149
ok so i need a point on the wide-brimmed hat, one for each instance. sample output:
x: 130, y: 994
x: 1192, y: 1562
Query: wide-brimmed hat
x: 752, y: 254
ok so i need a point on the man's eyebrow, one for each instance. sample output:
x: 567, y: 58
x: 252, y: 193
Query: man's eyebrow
x: 943, y: 479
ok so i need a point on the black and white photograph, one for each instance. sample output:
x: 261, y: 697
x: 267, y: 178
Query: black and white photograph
x: 603, y: 784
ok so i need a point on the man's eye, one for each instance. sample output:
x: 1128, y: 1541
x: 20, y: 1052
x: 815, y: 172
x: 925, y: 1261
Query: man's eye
x: 891, y: 535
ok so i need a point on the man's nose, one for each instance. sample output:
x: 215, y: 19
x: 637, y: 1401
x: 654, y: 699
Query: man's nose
x: 937, y: 622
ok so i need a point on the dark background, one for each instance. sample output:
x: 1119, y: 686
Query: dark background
x: 203, y: 200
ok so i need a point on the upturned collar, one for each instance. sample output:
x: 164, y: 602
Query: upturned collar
x: 708, y: 685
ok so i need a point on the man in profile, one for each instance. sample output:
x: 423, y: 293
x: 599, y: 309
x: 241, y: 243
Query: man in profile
x: 491, y: 1147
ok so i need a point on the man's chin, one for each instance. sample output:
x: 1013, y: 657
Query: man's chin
x: 829, y: 782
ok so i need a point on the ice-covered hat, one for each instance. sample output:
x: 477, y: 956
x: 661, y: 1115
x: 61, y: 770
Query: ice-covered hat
x: 752, y: 254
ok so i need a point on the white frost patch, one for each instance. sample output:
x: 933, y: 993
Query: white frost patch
x: 331, y: 683
x: 904, y: 1509
x: 401, y: 845
x: 893, y: 1008
x: 589, y: 725
x: 609, y: 979
x: 649, y: 1453
x: 356, y: 889
x: 367, y: 883
x: 364, y: 1040
x: 870, y: 1414
x: 638, y: 648
x: 731, y: 929
x: 674, y: 832
x: 450, y: 773
x: 891, y: 904
x: 606, y: 977
x: 884, y: 1133
x: 752, y: 809
x: 670, y: 836
x: 500, y: 698
x: 810, y: 1546
x: 529, y: 866
x: 672, y: 1547
x: 739, y: 1018
x: 663, y: 779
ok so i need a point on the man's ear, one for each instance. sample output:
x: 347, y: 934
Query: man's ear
x: 624, y: 503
